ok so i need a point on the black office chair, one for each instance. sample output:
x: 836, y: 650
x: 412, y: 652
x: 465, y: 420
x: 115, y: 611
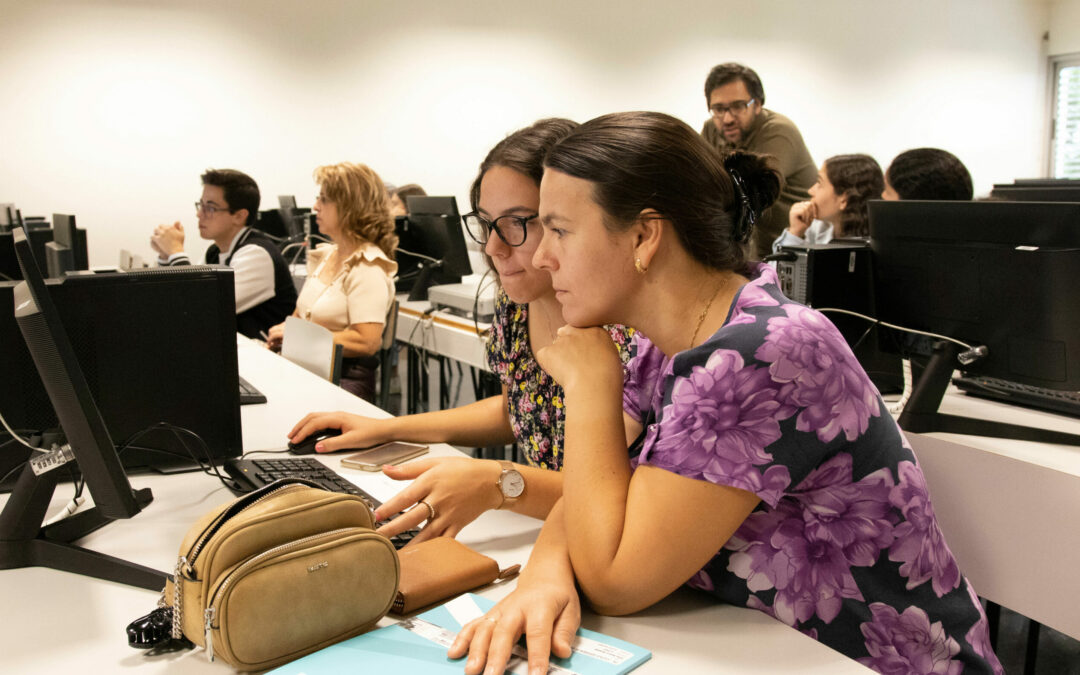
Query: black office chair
x: 386, y: 355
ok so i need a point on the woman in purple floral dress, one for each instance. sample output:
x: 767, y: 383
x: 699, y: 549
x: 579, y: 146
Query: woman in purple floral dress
x: 745, y: 432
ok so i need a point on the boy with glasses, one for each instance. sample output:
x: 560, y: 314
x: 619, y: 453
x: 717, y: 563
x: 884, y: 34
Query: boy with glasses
x: 735, y: 98
x: 265, y: 293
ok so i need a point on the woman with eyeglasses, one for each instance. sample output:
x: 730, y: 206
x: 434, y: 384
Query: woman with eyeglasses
x: 505, y: 199
x: 350, y: 283
x: 743, y: 453
x: 838, y: 203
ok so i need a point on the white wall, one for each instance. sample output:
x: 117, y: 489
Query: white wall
x: 1064, y: 27
x: 111, y: 109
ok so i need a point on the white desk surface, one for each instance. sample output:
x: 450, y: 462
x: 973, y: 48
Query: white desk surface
x: 56, y: 622
x: 441, y: 332
x: 1064, y: 458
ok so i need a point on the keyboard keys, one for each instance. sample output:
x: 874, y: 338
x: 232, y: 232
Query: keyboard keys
x: 254, y: 473
x: 1052, y: 400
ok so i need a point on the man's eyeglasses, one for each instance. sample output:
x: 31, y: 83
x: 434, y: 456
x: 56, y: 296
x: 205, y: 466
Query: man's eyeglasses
x: 735, y: 108
x: 511, y: 229
x: 208, y: 209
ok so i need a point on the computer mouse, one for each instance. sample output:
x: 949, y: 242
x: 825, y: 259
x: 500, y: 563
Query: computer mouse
x: 307, y: 446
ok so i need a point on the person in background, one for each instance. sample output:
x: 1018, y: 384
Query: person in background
x: 838, y: 203
x: 736, y: 100
x: 226, y: 211
x: 398, y: 206
x: 350, y: 283
x: 927, y: 173
x: 505, y: 197
x: 743, y: 453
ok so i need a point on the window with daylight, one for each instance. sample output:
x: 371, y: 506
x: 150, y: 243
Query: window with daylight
x: 1065, y: 122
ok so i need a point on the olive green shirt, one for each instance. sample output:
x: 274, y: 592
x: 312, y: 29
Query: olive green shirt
x: 773, y: 134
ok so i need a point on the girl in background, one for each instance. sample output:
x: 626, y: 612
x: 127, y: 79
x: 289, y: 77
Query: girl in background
x: 837, y: 206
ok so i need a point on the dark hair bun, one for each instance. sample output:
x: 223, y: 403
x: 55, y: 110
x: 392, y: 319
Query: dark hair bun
x: 757, y: 186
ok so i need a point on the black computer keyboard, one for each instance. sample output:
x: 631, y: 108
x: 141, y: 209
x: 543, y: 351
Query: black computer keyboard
x: 251, y: 474
x: 249, y: 394
x: 1052, y: 400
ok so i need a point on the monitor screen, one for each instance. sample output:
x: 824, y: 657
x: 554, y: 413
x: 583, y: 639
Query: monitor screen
x: 431, y: 245
x: 1003, y: 275
x: 157, y: 345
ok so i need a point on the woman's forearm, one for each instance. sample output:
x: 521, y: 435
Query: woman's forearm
x: 478, y: 424
x: 354, y: 345
x: 596, y: 474
x: 549, y: 554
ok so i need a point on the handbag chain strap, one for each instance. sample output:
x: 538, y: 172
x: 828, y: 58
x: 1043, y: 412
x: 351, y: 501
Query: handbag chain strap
x: 178, y: 600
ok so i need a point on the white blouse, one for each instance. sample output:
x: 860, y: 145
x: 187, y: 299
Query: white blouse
x: 361, y: 292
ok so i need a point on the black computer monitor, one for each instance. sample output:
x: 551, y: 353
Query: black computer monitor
x: 431, y: 246
x: 270, y: 222
x: 23, y: 540
x: 9, y: 263
x: 67, y: 251
x: 837, y: 276
x: 1001, y: 277
x: 7, y: 217
x: 155, y: 345
x: 1038, y: 190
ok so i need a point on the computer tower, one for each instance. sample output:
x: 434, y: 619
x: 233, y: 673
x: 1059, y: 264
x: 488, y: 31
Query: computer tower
x: 838, y: 275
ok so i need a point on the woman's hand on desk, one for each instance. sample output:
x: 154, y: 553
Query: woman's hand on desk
x: 459, y: 489
x: 357, y: 431
x: 274, y: 337
x: 545, y: 607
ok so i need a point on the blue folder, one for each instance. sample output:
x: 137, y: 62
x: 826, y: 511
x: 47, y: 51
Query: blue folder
x: 396, y: 649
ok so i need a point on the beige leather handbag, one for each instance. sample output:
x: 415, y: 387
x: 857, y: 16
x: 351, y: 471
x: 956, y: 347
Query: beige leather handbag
x: 279, y: 573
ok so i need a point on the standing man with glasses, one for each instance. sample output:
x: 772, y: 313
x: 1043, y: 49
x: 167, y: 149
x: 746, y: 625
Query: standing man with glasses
x: 265, y: 293
x: 739, y: 121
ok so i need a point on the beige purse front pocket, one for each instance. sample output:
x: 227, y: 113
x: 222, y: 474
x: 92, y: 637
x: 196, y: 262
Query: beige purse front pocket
x: 287, y: 602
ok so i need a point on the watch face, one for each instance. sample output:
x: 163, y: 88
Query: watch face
x: 512, y: 484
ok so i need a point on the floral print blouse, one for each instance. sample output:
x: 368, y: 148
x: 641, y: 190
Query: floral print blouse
x: 844, y: 545
x: 534, y: 399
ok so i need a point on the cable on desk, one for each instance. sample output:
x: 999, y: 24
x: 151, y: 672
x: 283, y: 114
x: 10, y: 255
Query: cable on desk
x: 207, y: 466
x: 16, y: 436
x: 879, y: 322
x: 973, y: 351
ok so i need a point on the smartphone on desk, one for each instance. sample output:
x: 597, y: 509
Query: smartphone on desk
x: 373, y: 459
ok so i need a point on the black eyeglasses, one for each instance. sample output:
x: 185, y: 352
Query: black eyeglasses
x: 208, y: 209
x: 735, y: 107
x: 511, y: 229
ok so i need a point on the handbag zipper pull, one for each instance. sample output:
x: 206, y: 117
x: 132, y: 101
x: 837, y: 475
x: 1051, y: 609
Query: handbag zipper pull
x: 209, y: 614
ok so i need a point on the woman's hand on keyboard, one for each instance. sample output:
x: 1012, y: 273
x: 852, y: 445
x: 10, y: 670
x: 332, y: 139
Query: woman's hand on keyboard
x: 459, y: 489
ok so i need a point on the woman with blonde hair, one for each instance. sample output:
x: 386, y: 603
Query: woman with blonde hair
x: 350, y: 282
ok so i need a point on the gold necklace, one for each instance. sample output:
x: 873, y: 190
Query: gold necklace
x: 705, y: 312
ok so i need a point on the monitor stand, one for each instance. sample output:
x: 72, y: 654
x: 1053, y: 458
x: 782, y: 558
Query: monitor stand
x: 25, y: 543
x: 921, y: 414
x: 424, y: 281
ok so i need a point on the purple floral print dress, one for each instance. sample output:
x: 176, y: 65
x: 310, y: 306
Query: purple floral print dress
x: 535, y: 400
x: 844, y: 545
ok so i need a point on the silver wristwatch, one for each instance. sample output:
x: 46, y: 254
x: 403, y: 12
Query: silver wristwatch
x: 511, y: 484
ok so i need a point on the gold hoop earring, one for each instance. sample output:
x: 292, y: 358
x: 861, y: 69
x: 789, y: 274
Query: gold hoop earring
x: 641, y: 269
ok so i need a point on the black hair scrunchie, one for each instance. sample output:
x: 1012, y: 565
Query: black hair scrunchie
x: 744, y: 225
